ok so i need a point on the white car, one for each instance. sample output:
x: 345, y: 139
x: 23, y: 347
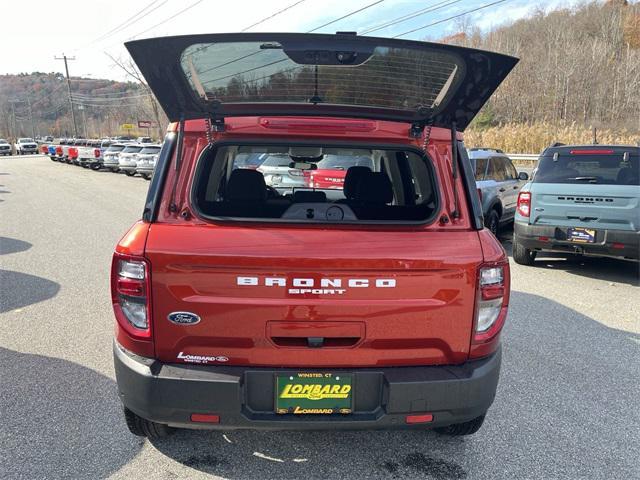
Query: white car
x: 5, y: 147
x: 26, y: 146
x: 128, y: 159
x: 111, y: 154
x: 147, y: 158
x: 278, y: 173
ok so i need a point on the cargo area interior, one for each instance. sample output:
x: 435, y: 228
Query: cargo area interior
x: 267, y: 182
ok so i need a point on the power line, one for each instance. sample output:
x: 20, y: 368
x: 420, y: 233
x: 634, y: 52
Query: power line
x: 354, y: 12
x: 273, y: 15
x: 128, y: 22
x: 346, y: 16
x: 409, y: 16
x: 80, y: 96
x: 170, y: 18
x: 449, y: 18
x: 42, y: 99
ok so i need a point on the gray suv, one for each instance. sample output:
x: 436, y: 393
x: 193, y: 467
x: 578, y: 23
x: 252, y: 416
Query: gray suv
x: 498, y: 184
x: 583, y: 199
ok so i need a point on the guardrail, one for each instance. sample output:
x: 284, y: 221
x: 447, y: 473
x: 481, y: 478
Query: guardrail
x: 523, y: 159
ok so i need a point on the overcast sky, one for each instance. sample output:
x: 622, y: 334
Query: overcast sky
x: 33, y: 32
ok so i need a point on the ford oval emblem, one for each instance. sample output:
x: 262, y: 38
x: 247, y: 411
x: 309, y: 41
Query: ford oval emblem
x: 183, y: 318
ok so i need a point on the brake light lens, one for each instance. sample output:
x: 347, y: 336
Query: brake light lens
x: 491, y: 308
x: 96, y: 152
x: 315, y: 124
x: 130, y: 292
x: 593, y: 151
x: 524, y: 204
x: 491, y: 295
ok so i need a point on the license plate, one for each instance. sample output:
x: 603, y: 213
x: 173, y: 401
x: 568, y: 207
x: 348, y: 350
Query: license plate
x: 581, y: 235
x: 313, y: 394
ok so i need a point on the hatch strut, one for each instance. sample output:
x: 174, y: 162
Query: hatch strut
x: 454, y: 168
x: 172, y: 205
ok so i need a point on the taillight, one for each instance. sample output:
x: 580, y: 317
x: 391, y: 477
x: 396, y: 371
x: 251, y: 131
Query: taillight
x: 96, y: 152
x: 524, y: 204
x: 130, y: 293
x: 480, y: 194
x: 491, y: 307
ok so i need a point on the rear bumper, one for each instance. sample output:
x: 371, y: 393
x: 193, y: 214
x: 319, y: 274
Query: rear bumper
x: 244, y: 397
x: 609, y: 243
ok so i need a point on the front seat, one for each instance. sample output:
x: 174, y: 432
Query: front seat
x: 374, y: 189
x: 351, y: 181
x: 245, y: 194
x: 373, y: 196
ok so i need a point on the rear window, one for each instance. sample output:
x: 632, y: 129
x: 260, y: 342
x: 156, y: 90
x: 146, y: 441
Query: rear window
x: 268, y: 71
x: 131, y: 149
x: 371, y: 185
x: 150, y: 150
x: 344, y: 162
x: 115, y: 148
x: 614, y: 169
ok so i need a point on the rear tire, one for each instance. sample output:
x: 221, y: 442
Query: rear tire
x: 460, y: 429
x: 493, y: 222
x: 522, y: 255
x: 129, y: 173
x: 145, y: 428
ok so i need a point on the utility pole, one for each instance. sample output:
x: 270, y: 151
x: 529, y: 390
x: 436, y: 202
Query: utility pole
x: 13, y: 118
x: 66, y: 69
x: 33, y: 128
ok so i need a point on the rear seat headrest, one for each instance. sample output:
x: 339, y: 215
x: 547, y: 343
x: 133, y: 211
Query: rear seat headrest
x: 246, y: 185
x: 375, y: 187
x: 352, y: 179
x: 627, y: 176
x: 309, y: 196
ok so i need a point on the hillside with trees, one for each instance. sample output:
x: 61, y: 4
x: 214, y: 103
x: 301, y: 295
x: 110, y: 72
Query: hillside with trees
x: 100, y: 106
x: 579, y: 69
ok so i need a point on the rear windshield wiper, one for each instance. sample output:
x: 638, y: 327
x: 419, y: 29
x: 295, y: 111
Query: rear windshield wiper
x: 587, y: 179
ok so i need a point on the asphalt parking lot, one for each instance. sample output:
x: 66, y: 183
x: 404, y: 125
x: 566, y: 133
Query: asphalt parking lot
x: 567, y: 404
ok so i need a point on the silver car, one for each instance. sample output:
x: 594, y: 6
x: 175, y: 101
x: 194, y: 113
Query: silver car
x: 111, y: 154
x: 147, y: 159
x: 498, y: 184
x: 278, y: 174
x: 128, y: 159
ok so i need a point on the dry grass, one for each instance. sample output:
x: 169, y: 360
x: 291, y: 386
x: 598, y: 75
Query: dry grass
x: 523, y: 138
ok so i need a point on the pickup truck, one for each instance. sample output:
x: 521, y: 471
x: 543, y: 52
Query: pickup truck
x: 26, y: 146
x: 379, y: 305
x: 5, y: 147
